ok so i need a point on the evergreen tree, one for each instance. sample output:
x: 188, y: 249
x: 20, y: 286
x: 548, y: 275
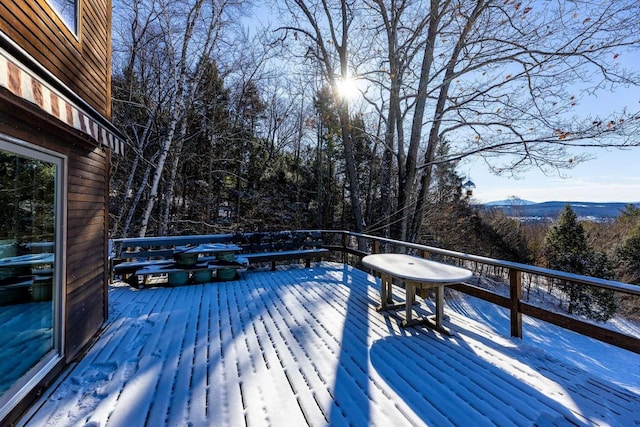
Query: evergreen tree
x: 566, y: 249
x: 628, y: 263
x: 328, y: 165
x: 629, y: 257
x: 449, y: 221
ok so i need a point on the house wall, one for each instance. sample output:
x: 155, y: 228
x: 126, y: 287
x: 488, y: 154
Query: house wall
x: 81, y: 71
x: 83, y: 62
x: 87, y: 215
x: 87, y: 230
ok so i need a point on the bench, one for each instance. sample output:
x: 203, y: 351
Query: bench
x: 173, y: 274
x: 148, y: 248
x: 145, y: 256
x: 132, y: 254
x: 272, y: 247
x: 126, y: 269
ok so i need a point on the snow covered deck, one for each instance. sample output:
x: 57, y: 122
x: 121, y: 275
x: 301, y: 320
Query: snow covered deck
x: 306, y: 346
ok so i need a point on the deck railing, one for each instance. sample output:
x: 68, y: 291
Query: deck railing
x: 354, y: 246
x: 350, y: 247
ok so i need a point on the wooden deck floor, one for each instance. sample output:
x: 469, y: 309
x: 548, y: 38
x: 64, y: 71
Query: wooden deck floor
x: 306, y: 347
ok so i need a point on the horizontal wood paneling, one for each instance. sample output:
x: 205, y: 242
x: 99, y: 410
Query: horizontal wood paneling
x: 87, y: 210
x: 76, y: 216
x: 86, y: 175
x: 82, y: 63
x: 78, y: 264
x: 91, y: 237
x: 75, y: 181
x: 82, y: 276
x: 87, y: 196
x: 79, y: 224
x: 86, y: 319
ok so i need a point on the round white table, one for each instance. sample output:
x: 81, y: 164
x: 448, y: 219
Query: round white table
x: 416, y: 273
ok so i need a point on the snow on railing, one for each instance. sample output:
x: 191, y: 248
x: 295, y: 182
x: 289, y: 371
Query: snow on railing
x: 358, y: 245
x: 353, y: 246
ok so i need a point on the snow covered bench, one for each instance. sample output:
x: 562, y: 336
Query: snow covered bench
x: 133, y: 255
x: 126, y: 269
x: 173, y: 274
x: 148, y: 248
x: 283, y: 246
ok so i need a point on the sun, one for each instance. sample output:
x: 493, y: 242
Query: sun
x: 347, y: 88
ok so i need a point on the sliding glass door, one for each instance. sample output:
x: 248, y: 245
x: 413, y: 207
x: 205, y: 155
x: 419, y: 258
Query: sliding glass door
x: 31, y: 286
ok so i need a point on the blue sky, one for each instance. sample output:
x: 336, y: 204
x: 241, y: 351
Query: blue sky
x: 611, y: 176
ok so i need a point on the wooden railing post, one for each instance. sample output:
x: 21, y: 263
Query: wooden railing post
x: 345, y: 243
x: 376, y: 246
x: 515, y: 285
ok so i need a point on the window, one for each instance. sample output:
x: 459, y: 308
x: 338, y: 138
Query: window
x: 68, y: 11
x: 31, y: 288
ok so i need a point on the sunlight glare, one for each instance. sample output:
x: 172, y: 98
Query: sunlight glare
x: 348, y: 88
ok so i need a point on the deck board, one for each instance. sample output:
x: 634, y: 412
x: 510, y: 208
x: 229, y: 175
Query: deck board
x: 306, y: 347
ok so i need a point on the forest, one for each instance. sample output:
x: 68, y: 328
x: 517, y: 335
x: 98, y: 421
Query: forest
x: 356, y: 114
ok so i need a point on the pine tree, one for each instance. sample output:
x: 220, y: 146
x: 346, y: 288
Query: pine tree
x: 629, y: 257
x: 449, y: 221
x: 567, y: 249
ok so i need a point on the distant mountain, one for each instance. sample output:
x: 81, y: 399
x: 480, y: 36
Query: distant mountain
x: 549, y: 210
x: 510, y: 202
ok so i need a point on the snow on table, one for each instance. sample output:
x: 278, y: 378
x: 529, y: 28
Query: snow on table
x: 306, y: 347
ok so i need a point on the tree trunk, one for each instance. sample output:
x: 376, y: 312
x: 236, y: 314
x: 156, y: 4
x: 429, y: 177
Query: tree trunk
x: 163, y: 226
x: 180, y: 72
x: 434, y: 135
x: 407, y: 184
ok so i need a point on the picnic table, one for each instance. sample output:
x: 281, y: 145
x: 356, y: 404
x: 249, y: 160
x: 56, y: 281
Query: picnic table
x: 417, y: 273
x: 26, y: 277
x: 29, y: 260
x: 194, y: 262
x: 198, y: 253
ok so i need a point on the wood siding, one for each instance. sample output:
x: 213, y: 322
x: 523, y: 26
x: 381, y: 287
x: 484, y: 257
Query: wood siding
x: 82, y: 62
x: 81, y: 65
x: 87, y: 201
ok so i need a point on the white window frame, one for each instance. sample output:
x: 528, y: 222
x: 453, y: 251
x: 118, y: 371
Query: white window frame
x: 30, y: 380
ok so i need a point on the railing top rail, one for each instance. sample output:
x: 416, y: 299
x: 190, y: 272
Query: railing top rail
x: 576, y: 278
x: 561, y: 275
x: 159, y: 240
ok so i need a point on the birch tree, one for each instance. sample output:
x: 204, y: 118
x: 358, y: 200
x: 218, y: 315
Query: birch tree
x: 164, y: 42
x: 179, y: 50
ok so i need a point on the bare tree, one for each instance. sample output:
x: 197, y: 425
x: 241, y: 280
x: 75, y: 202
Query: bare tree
x: 160, y: 49
x: 326, y: 28
x: 136, y: 93
x: 512, y: 74
x: 499, y: 79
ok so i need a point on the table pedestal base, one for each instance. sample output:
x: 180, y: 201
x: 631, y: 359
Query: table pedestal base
x: 429, y: 322
x: 433, y: 322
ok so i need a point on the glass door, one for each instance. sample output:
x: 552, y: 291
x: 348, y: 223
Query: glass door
x: 31, y: 202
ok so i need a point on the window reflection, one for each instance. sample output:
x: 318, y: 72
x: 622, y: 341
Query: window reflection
x: 67, y: 11
x: 27, y: 236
